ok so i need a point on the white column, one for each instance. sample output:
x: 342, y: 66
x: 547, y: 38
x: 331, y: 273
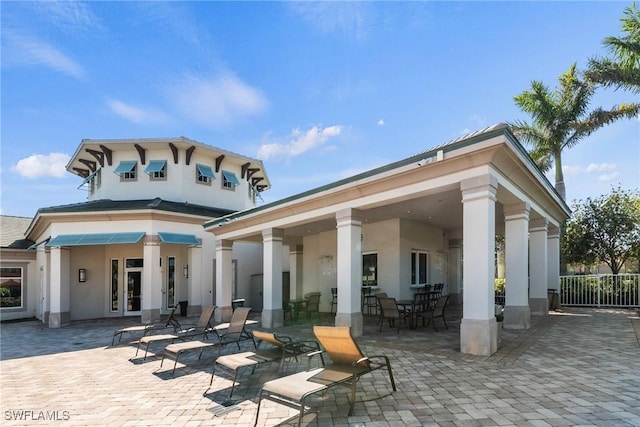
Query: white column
x: 517, y: 314
x: 538, y: 263
x: 272, y: 314
x: 478, y: 329
x: 195, y: 281
x: 224, y: 275
x: 60, y: 303
x: 295, y: 272
x: 349, y: 274
x: 151, y: 281
x: 553, y: 258
x: 454, y: 272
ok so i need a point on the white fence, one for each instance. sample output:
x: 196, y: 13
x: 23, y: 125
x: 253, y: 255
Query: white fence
x: 600, y: 290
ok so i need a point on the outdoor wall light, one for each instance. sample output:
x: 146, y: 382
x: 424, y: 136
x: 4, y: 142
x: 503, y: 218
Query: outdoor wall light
x: 185, y: 271
x: 82, y: 275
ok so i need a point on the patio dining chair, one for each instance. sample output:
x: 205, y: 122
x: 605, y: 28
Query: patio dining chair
x: 348, y: 365
x: 437, y: 312
x: 311, y: 305
x: 389, y: 311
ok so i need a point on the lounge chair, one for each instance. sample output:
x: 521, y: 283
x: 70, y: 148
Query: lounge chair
x: 171, y: 322
x: 232, y: 332
x: 271, y: 348
x: 200, y: 329
x: 348, y: 365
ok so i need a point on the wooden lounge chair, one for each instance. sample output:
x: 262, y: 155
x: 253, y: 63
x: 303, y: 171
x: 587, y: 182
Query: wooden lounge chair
x: 200, y: 329
x: 348, y: 365
x: 271, y: 348
x: 170, y: 322
x: 232, y: 332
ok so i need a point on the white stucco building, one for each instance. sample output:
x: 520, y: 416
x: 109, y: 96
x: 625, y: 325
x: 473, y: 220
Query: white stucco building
x: 428, y: 218
x: 171, y: 220
x: 137, y: 246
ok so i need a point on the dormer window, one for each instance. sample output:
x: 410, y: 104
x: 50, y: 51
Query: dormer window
x: 229, y: 180
x: 204, y: 174
x: 157, y: 170
x: 127, y: 170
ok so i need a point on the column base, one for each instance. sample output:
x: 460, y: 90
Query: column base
x: 56, y: 320
x: 273, y: 318
x: 353, y: 320
x: 539, y: 306
x: 149, y: 316
x: 517, y: 317
x: 479, y: 337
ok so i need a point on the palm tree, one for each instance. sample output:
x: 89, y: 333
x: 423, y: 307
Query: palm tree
x: 560, y: 119
x: 623, y: 70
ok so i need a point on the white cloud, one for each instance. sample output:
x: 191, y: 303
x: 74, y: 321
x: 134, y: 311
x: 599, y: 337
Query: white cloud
x: 353, y: 19
x: 381, y: 122
x: 28, y: 51
x: 74, y: 16
x: 42, y: 165
x: 219, y: 101
x: 135, y: 114
x: 600, y: 167
x: 299, y: 142
x: 608, y: 177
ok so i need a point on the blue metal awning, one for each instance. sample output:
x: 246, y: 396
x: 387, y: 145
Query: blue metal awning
x: 125, y: 166
x: 155, y: 166
x: 206, y: 171
x: 179, y: 239
x: 95, y: 239
x: 231, y: 177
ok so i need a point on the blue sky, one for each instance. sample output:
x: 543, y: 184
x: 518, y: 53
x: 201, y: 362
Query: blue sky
x: 319, y: 91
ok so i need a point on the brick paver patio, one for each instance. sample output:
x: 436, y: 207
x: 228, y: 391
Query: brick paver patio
x: 575, y: 367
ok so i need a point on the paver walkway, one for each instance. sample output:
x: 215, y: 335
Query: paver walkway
x: 577, y: 367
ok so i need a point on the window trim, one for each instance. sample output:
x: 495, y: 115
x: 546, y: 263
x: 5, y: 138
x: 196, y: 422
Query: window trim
x: 375, y: 274
x: 229, y: 180
x: 204, y: 174
x: 127, y: 169
x: 415, y: 266
x: 23, y: 290
x: 155, y: 173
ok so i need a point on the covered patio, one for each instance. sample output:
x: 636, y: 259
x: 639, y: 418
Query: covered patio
x: 446, y: 204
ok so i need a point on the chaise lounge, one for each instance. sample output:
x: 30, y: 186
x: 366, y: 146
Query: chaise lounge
x: 348, y: 365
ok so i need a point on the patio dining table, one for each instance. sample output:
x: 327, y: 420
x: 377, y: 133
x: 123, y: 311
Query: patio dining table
x: 407, y: 308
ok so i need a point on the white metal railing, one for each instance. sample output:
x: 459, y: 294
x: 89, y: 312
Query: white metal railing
x: 598, y: 290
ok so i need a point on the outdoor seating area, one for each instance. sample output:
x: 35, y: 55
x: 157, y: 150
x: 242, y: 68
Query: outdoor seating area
x: 579, y: 343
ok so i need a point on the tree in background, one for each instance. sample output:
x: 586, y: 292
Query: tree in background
x: 561, y: 118
x: 622, y: 70
x: 605, y: 229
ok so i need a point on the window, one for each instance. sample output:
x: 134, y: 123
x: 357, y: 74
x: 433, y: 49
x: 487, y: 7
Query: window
x: 11, y: 287
x: 419, y: 267
x: 229, y: 180
x: 114, y: 284
x: 171, y: 282
x: 204, y: 174
x: 127, y: 170
x: 370, y: 269
x: 157, y: 170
